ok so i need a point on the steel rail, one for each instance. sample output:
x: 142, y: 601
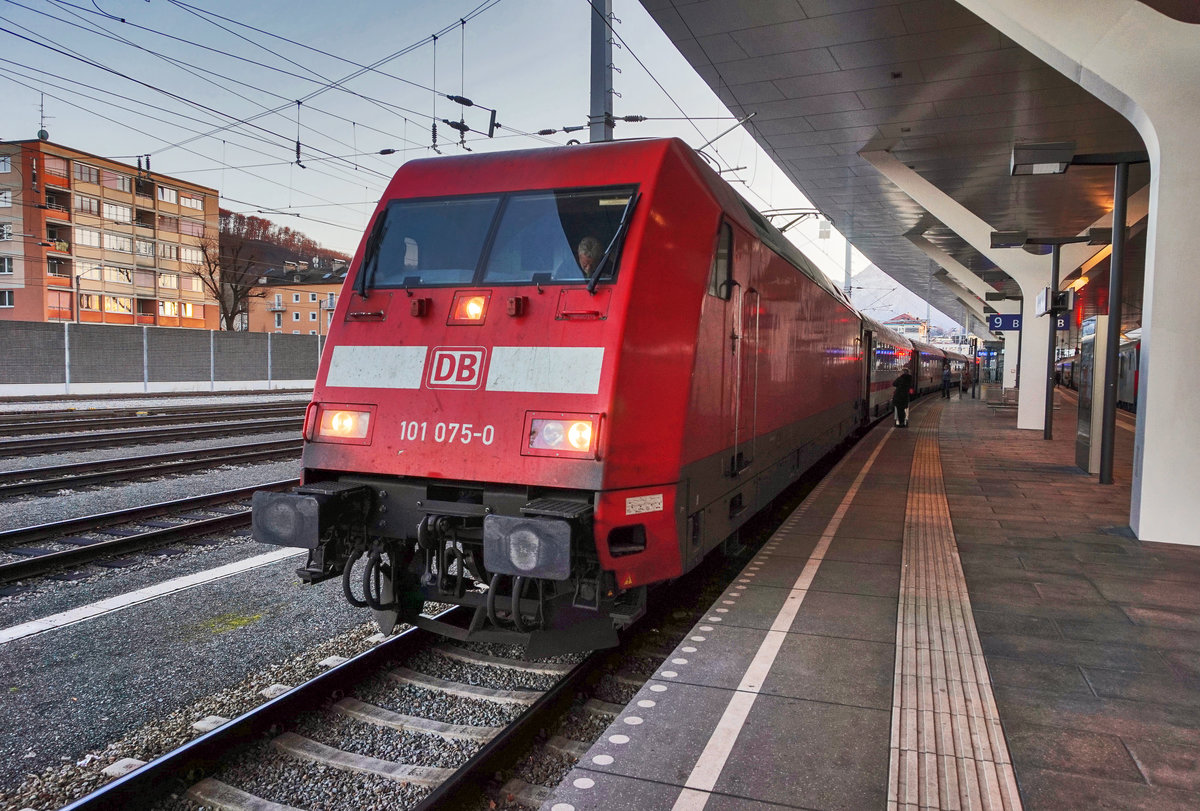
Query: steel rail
x: 514, y: 742
x: 176, y: 770
x: 38, y: 565
x: 15, y: 482
x: 29, y: 424
x: 17, y: 447
x: 21, y: 535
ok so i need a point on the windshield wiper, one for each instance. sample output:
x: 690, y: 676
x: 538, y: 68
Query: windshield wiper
x: 608, y: 252
x: 371, y: 254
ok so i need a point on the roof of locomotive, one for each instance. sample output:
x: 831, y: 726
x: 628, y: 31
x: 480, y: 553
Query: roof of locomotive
x: 606, y: 163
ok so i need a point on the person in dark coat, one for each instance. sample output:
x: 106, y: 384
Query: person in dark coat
x: 946, y: 381
x: 900, y: 397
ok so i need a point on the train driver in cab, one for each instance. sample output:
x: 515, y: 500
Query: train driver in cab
x: 589, y: 253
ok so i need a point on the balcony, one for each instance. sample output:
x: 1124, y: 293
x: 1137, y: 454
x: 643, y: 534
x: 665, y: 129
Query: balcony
x: 276, y: 307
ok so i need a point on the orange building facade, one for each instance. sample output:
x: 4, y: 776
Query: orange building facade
x: 296, y: 306
x: 93, y: 240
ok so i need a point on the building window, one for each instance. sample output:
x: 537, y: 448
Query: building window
x: 6, y: 298
x: 191, y: 202
x: 193, y: 228
x: 189, y: 310
x: 330, y: 300
x: 279, y: 299
x: 170, y: 308
x: 6, y: 265
x: 86, y: 174
x: 87, y: 205
x: 143, y: 278
x: 55, y: 165
x: 112, y: 180
x: 118, y: 275
x: 168, y: 280
x: 295, y: 332
x: 5, y: 199
x: 166, y: 250
x: 5, y: 164
x: 168, y: 195
x: 143, y: 248
x: 312, y: 297
x: 89, y: 301
x: 118, y: 242
x: 88, y: 237
x: 278, y: 320
x: 168, y: 224
x: 117, y: 213
x: 116, y: 304
x: 295, y: 316
x: 192, y: 256
x: 193, y: 283
x: 312, y: 332
x: 5, y: 231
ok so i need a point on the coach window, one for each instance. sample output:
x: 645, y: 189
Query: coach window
x: 720, y: 277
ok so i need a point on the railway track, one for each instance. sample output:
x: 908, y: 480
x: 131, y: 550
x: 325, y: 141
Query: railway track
x: 108, y: 438
x: 477, y: 751
x: 33, y: 480
x: 54, y: 422
x: 107, y: 539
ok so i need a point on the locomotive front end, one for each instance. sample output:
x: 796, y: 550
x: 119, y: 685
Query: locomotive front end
x: 455, y: 447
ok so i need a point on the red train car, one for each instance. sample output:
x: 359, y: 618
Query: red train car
x: 554, y: 378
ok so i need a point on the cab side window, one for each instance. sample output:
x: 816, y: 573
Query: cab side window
x: 720, y: 277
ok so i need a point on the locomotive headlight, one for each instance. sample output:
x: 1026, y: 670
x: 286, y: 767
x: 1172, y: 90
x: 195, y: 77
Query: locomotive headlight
x: 559, y: 434
x: 552, y: 435
x: 344, y: 424
x: 469, y: 307
x: 580, y: 435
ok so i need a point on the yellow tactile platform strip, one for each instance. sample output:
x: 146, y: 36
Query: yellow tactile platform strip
x: 947, y: 748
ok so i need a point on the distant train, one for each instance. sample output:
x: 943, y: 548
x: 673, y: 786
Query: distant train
x: 1128, y: 374
x: 557, y: 377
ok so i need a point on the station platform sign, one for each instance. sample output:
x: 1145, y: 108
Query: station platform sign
x: 998, y: 322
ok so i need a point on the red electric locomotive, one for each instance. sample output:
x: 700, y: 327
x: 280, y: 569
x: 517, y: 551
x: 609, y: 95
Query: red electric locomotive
x: 555, y: 377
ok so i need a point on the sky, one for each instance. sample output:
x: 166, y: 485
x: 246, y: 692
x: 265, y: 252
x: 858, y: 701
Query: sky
x: 219, y: 92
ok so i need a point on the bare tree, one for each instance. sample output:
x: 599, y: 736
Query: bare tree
x: 229, y: 273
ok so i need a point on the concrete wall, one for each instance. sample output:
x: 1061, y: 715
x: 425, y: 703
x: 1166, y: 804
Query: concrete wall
x: 45, y: 359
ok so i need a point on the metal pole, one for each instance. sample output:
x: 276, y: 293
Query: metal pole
x: 601, y: 124
x: 1108, y: 419
x: 1048, y: 430
x: 849, y: 249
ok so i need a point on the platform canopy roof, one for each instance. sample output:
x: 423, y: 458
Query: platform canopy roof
x: 929, y: 81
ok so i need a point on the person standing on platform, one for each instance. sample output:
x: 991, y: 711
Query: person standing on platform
x: 946, y: 381
x: 900, y: 398
x: 965, y: 380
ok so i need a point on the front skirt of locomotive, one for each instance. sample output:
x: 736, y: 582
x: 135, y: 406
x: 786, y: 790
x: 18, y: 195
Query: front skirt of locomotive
x: 524, y: 568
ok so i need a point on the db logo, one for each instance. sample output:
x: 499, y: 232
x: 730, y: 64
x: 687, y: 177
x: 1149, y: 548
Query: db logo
x: 459, y: 367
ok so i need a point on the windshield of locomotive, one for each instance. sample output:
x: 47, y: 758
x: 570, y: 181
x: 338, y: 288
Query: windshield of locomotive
x: 545, y: 237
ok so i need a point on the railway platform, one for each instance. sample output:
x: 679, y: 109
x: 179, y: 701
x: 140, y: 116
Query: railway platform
x: 957, y: 617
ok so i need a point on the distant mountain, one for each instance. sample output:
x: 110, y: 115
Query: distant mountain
x: 880, y: 296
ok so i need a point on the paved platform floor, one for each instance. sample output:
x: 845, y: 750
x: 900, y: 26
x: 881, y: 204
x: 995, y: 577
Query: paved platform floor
x: 784, y: 695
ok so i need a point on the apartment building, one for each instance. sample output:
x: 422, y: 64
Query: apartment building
x: 89, y: 239
x: 298, y: 301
